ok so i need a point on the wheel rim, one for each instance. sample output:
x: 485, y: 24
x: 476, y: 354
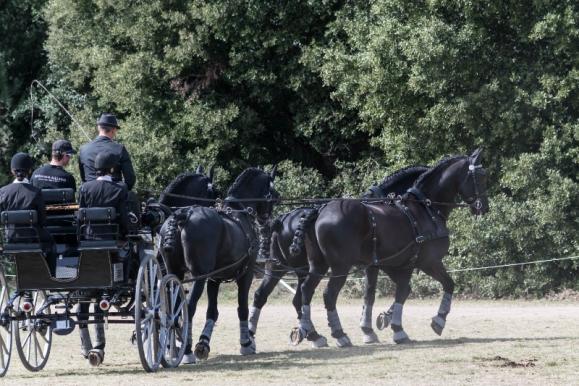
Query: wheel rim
x: 176, y: 322
x: 5, y: 328
x: 33, y: 338
x: 147, y: 310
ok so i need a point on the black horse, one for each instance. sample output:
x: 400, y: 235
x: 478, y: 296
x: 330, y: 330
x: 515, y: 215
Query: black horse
x: 410, y: 233
x: 221, y: 244
x: 289, y: 255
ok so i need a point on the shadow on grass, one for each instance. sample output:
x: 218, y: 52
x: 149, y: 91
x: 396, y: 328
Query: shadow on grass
x: 298, y: 360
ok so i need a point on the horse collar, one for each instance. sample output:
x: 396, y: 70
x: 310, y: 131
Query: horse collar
x: 417, y: 193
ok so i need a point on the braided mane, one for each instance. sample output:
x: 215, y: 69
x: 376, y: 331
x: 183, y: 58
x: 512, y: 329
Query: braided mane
x: 400, y: 174
x: 443, y: 163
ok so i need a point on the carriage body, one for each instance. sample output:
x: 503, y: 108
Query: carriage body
x: 79, y: 256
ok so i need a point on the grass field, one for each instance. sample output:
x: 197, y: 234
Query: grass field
x: 485, y: 342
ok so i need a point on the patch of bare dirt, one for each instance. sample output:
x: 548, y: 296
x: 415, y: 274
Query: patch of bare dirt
x: 500, y: 361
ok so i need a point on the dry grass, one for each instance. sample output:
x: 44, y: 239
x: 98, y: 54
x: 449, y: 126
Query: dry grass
x: 500, y: 342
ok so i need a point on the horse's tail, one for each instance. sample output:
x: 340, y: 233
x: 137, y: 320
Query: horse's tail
x: 297, y: 245
x: 171, y: 236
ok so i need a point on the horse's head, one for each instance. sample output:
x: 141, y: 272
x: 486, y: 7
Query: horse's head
x: 473, y: 184
x: 186, y: 185
x: 259, y: 184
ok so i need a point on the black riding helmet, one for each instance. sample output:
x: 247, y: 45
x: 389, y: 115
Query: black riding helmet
x: 105, y: 161
x: 21, y: 162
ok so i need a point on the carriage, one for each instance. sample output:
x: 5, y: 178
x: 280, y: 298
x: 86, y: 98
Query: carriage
x: 88, y: 261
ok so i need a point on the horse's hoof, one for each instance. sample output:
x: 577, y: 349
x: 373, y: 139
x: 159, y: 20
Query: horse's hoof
x: 202, y: 350
x: 96, y: 357
x: 320, y: 342
x: 188, y: 359
x: 343, y: 341
x: 383, y: 320
x: 400, y: 337
x: 296, y: 336
x: 437, y: 325
x: 370, y: 337
x: 248, y: 348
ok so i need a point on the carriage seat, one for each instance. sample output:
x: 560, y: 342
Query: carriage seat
x: 58, y: 196
x: 20, y: 231
x: 98, y: 228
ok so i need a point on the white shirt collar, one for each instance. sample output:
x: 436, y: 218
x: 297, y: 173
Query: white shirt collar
x: 105, y: 178
x: 24, y: 181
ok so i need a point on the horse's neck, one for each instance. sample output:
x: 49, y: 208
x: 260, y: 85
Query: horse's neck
x: 442, y: 188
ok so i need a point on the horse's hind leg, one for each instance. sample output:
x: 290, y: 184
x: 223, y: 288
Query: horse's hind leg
x: 246, y: 341
x: 437, y: 270
x: 402, y: 280
x: 331, y: 293
x: 370, y: 280
x: 270, y: 280
x: 202, y: 348
x: 196, y: 292
x: 305, y: 325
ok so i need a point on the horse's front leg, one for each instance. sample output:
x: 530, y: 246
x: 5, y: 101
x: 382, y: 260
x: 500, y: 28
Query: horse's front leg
x: 370, y: 280
x: 196, y: 292
x: 270, y: 280
x: 202, y: 348
x: 437, y: 271
x: 246, y: 340
x: 402, y: 280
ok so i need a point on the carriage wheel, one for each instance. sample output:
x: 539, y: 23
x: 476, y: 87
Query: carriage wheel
x: 176, y: 324
x: 5, y: 326
x: 147, y: 312
x: 33, y: 337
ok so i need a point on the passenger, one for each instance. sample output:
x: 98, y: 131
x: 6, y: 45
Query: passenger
x: 21, y: 195
x: 103, y: 191
x: 123, y: 169
x: 53, y: 175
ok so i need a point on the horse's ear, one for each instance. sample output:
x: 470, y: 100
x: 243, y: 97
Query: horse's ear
x: 199, y: 169
x: 272, y: 173
x: 476, y: 156
x: 211, y: 172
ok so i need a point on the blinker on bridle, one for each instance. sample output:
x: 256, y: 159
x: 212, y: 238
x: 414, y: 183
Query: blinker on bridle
x: 476, y: 201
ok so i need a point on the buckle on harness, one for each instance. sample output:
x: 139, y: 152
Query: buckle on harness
x: 420, y: 239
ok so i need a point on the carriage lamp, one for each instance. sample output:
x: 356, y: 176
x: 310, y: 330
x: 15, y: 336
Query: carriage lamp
x: 104, y: 304
x: 27, y: 305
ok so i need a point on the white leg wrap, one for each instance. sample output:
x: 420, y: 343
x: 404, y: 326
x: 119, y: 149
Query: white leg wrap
x: 397, y: 314
x: 366, y: 318
x: 253, y: 318
x: 334, y: 321
x: 305, y: 323
x: 208, y: 329
x: 243, y: 332
x: 245, y: 340
x: 445, y: 304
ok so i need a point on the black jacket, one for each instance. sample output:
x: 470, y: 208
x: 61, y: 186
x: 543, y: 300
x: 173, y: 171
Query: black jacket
x: 89, y: 151
x: 52, y: 177
x: 23, y: 196
x: 102, y: 193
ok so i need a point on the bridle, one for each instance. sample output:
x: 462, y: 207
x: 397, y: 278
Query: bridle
x: 475, y: 200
